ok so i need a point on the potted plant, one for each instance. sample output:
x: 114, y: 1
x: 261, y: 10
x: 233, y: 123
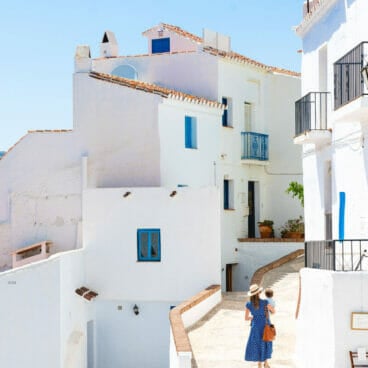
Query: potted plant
x: 293, y: 228
x: 266, y: 228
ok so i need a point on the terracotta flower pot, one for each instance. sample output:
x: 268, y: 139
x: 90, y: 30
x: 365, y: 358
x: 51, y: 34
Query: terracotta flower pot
x: 265, y: 231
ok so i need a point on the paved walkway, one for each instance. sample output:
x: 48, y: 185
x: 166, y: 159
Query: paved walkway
x: 218, y: 340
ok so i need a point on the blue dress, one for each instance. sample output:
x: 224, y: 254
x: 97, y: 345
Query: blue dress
x: 257, y: 350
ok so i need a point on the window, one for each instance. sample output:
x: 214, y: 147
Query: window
x: 160, y: 45
x: 190, y: 132
x: 247, y: 117
x: 149, y: 245
x: 228, y: 194
x: 226, y: 116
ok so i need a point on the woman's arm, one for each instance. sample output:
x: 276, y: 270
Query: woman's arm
x: 247, y: 317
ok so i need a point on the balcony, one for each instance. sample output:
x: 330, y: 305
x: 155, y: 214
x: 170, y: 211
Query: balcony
x: 348, y: 80
x: 337, y: 255
x: 254, y: 148
x: 311, y: 113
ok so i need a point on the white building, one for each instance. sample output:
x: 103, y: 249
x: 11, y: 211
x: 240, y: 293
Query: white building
x: 173, y: 156
x: 331, y: 126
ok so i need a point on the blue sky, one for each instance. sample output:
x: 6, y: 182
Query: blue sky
x: 39, y: 40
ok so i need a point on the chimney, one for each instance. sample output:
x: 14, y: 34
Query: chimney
x: 109, y: 46
x: 82, y: 59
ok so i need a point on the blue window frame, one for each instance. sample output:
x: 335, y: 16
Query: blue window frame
x: 149, y: 245
x: 190, y: 132
x: 160, y: 45
x: 225, y: 121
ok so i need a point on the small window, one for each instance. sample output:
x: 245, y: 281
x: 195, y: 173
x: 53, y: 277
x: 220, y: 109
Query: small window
x: 226, y: 116
x: 160, y: 45
x: 228, y: 194
x: 149, y: 245
x: 247, y: 117
x: 190, y: 132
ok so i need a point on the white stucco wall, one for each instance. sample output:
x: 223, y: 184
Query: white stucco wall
x: 30, y: 316
x: 189, y: 225
x: 190, y: 261
x: 119, y: 137
x: 324, y: 336
x: 192, y: 73
x: 252, y: 256
x: 185, y: 166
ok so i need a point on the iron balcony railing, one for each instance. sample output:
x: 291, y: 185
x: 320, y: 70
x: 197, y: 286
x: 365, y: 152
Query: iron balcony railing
x: 311, y: 112
x: 337, y: 255
x: 254, y: 146
x: 348, y: 79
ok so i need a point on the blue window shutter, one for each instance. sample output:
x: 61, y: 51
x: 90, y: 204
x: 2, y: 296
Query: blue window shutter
x: 149, y: 245
x: 188, y: 132
x: 160, y: 45
x: 224, y: 115
x: 342, y: 197
x: 226, y: 194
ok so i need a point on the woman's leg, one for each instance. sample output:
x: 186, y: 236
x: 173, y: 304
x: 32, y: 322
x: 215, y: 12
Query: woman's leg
x: 266, y: 365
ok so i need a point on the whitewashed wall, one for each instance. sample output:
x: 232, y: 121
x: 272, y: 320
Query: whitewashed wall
x: 192, y: 73
x: 30, y: 316
x: 252, y: 256
x: 119, y: 137
x: 324, y: 336
x: 185, y: 166
x: 40, y: 193
x: 189, y: 224
x: 190, y: 261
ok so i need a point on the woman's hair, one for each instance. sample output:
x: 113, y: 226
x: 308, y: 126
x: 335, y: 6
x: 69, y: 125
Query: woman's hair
x: 254, y: 299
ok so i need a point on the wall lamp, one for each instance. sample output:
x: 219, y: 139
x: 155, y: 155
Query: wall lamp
x: 364, y: 72
x: 173, y: 193
x: 136, y: 309
x: 126, y: 194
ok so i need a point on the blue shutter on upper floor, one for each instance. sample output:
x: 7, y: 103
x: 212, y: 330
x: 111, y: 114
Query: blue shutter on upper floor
x: 160, y: 45
x: 188, y: 132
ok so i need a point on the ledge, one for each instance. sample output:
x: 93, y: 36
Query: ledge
x: 271, y: 240
x: 258, y: 275
x: 180, y: 335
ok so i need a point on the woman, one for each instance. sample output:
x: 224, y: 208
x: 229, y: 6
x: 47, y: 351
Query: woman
x: 257, y: 350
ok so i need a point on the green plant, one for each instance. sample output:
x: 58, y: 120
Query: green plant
x: 293, y: 226
x: 296, y: 189
x: 266, y: 223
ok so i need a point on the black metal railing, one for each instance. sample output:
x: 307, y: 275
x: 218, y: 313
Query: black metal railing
x: 337, y: 255
x: 311, y: 112
x: 348, y: 79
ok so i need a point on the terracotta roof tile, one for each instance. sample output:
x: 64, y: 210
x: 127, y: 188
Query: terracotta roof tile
x: 228, y: 55
x: 152, y: 88
x: 179, y: 31
x: 231, y: 55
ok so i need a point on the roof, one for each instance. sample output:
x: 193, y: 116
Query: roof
x: 231, y: 55
x: 32, y: 132
x: 318, y: 9
x: 152, y: 88
x: 227, y: 55
x: 178, y: 31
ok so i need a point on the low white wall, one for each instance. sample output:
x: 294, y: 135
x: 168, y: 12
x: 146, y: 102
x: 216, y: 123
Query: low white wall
x: 252, y: 256
x: 194, y: 314
x: 30, y: 316
x: 324, y: 334
x: 183, y: 359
